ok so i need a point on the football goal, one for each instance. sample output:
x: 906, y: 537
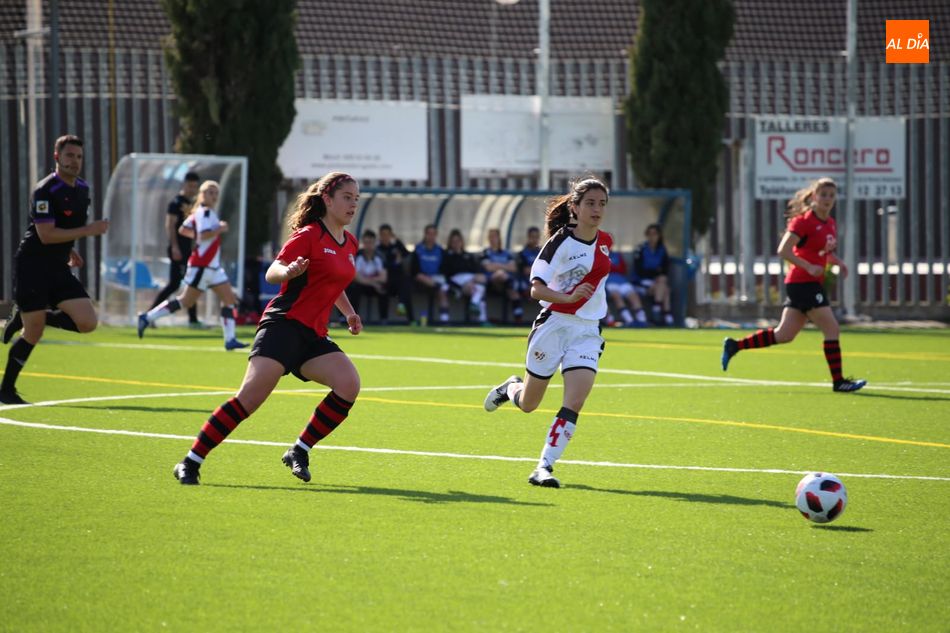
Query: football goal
x: 134, y: 263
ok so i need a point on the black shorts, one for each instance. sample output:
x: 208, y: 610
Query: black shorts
x: 290, y: 343
x: 805, y: 296
x: 41, y: 284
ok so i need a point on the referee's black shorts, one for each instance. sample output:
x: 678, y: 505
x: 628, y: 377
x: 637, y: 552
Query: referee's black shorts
x: 39, y: 284
x: 290, y: 343
x: 805, y: 296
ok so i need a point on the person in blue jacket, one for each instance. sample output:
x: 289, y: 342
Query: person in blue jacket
x: 651, y: 265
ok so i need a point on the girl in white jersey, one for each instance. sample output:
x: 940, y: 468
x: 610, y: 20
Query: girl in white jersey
x: 568, y: 279
x: 204, y: 267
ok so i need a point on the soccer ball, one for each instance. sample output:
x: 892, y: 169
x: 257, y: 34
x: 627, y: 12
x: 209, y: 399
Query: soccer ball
x: 821, y: 497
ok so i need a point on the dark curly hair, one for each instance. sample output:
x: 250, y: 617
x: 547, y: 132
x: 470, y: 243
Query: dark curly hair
x: 310, y: 205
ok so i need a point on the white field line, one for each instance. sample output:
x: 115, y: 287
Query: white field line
x: 501, y: 458
x: 469, y: 363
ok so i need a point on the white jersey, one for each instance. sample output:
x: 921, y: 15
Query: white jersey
x: 206, y: 253
x: 370, y: 268
x: 566, y: 262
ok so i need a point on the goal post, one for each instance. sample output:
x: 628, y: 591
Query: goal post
x: 134, y: 264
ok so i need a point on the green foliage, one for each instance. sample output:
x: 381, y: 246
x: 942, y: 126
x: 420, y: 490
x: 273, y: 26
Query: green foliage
x: 232, y: 65
x: 678, y: 99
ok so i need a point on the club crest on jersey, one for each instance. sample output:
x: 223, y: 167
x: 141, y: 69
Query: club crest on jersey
x: 539, y: 355
x: 605, y: 250
x: 42, y: 206
x: 328, y: 251
x: 352, y: 261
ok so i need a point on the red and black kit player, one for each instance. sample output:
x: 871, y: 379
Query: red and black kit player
x: 809, y: 245
x: 313, y: 269
x: 44, y: 288
x: 568, y: 279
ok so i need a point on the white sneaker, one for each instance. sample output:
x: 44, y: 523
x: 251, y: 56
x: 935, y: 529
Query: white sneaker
x: 499, y: 395
x: 542, y: 477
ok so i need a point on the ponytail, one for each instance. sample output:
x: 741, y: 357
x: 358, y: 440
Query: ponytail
x: 310, y: 205
x: 804, y: 199
x: 558, y: 213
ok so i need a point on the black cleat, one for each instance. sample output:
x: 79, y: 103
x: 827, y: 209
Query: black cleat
x: 11, y: 397
x: 542, y: 476
x: 13, y: 325
x: 298, y: 461
x: 848, y: 384
x: 186, y: 472
x: 142, y: 324
x: 730, y: 347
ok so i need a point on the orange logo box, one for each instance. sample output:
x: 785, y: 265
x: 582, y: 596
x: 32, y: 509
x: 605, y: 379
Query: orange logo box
x: 908, y: 42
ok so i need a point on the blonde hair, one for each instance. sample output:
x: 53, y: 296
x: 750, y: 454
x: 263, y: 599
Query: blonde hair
x: 558, y: 212
x: 804, y: 199
x: 204, y: 187
x: 310, y: 205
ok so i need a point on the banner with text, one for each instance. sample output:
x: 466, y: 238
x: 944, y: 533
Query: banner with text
x: 368, y: 139
x: 501, y: 134
x: 790, y: 152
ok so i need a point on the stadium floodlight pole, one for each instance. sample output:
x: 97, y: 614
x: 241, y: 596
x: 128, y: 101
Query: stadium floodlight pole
x: 33, y: 34
x: 544, y: 73
x: 850, y: 215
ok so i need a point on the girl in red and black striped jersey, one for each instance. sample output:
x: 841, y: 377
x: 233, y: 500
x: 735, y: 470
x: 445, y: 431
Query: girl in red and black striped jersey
x: 808, y: 244
x: 313, y: 268
x: 568, y: 279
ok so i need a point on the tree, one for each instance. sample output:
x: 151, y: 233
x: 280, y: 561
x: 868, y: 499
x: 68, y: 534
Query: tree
x: 232, y: 64
x: 677, y: 104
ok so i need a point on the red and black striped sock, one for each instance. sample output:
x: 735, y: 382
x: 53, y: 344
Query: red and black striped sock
x: 762, y: 338
x: 833, y: 356
x: 328, y: 415
x: 224, y: 420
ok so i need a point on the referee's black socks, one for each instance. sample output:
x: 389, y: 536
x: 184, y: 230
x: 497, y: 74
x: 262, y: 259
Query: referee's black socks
x: 16, y: 359
x: 61, y: 320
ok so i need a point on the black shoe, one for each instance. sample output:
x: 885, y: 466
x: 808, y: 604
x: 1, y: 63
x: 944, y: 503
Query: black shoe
x: 848, y: 384
x: 186, y: 472
x: 13, y: 325
x: 543, y: 476
x: 142, y: 324
x: 298, y: 461
x: 730, y: 347
x: 11, y: 397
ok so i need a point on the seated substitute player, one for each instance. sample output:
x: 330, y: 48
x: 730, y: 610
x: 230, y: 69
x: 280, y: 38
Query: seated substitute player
x: 313, y: 268
x: 621, y: 292
x: 809, y: 243
x: 568, y: 279
x: 425, y: 266
x: 396, y: 257
x: 45, y: 291
x: 651, y: 266
x: 527, y: 255
x: 463, y: 272
x: 371, y: 277
x: 502, y: 272
x: 204, y: 267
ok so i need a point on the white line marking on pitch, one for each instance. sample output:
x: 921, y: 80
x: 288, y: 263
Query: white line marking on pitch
x: 500, y: 458
x: 469, y: 363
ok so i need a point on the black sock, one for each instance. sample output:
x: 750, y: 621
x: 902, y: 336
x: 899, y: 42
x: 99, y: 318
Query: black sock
x: 16, y: 359
x: 61, y: 320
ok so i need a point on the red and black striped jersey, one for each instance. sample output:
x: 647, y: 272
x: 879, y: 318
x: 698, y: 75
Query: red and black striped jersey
x: 817, y: 239
x: 309, y: 298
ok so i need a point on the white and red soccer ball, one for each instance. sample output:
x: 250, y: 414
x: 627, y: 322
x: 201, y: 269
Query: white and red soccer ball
x: 821, y: 497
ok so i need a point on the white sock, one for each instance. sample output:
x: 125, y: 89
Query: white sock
x: 163, y: 309
x: 477, y: 293
x: 482, y: 312
x: 514, y: 389
x: 641, y: 316
x: 195, y: 457
x: 227, y: 322
x: 626, y: 316
x: 561, y: 432
x: 303, y: 446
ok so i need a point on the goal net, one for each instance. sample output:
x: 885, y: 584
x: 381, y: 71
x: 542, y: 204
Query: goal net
x: 135, y: 263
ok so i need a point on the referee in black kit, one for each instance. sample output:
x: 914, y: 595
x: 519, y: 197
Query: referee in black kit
x: 44, y: 288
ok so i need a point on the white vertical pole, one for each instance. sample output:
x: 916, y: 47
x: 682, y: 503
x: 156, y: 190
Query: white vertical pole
x: 134, y: 242
x: 544, y: 74
x: 242, y: 208
x: 850, y: 216
x: 746, y: 209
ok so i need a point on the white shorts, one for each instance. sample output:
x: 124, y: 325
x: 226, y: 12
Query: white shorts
x: 565, y: 340
x: 460, y: 279
x: 202, y: 278
x: 624, y: 288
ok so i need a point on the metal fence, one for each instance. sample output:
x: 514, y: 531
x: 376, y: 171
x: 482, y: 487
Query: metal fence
x: 903, y: 249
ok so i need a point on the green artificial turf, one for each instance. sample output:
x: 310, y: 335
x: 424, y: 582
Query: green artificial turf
x: 97, y: 535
